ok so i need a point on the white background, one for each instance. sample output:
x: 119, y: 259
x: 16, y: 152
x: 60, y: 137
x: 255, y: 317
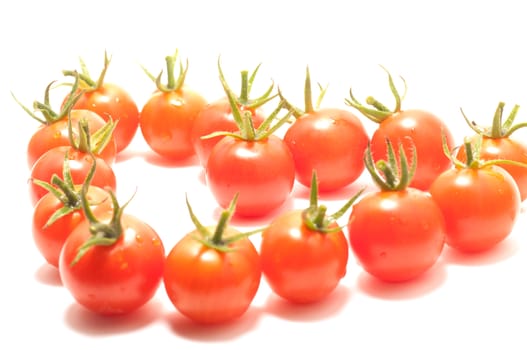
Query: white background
x: 452, y: 54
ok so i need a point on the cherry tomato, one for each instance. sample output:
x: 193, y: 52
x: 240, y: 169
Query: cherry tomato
x: 262, y: 172
x: 330, y: 141
x: 413, y: 128
x: 213, y: 273
x: 167, y: 117
x: 398, y: 232
x: 304, y: 252
x: 53, y: 131
x: 112, y: 264
x: 52, y: 162
x: 217, y: 116
x: 50, y: 237
x: 111, y: 102
x: 252, y: 163
x: 498, y: 142
x: 480, y: 202
x: 56, y: 134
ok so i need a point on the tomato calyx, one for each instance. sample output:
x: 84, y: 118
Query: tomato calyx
x: 172, y: 84
x: 308, y: 98
x: 243, y: 119
x: 379, y: 112
x: 102, y: 234
x: 500, y: 128
x: 87, y: 84
x: 49, y: 116
x: 90, y: 143
x: 65, y: 191
x: 473, y: 159
x: 387, y: 174
x: 315, y: 216
x: 216, y: 239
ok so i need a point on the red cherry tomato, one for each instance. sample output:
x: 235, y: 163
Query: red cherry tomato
x: 212, y: 274
x: 398, y: 232
x: 111, y: 102
x: 167, y: 117
x: 52, y: 162
x: 300, y: 264
x: 54, y: 128
x: 117, y: 278
x: 413, y: 128
x: 480, y: 202
x: 217, y: 116
x: 330, y: 141
x: 166, y: 122
x: 420, y: 129
x: 396, y: 235
x: 49, y: 238
x: 498, y: 142
x: 262, y: 172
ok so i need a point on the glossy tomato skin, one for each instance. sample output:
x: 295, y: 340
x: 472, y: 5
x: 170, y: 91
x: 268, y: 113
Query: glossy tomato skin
x: 111, y: 101
x: 217, y: 116
x: 80, y: 163
x: 52, y: 135
x: 332, y: 142
x: 480, y: 206
x: 419, y: 129
x: 50, y: 239
x: 504, y: 148
x: 396, y: 235
x: 166, y: 122
x: 209, y: 286
x: 261, y: 172
x: 299, y: 264
x: 115, y: 279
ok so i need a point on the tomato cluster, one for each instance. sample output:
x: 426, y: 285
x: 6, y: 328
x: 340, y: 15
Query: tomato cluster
x: 429, y: 192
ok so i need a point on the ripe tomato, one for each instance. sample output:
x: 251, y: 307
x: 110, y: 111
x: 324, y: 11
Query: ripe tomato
x: 252, y: 163
x: 111, y: 102
x: 261, y: 171
x: 213, y: 273
x: 217, y: 116
x: 112, y: 264
x: 304, y: 252
x: 80, y: 162
x: 498, y: 143
x: 50, y: 233
x: 480, y: 202
x: 398, y: 232
x: 413, y: 128
x: 54, y: 128
x: 330, y: 141
x: 167, y: 117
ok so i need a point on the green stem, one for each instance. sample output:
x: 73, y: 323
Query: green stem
x: 308, y: 99
x: 244, y: 92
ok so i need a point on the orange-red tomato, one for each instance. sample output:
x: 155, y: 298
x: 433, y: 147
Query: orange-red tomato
x: 80, y: 163
x: 217, y: 116
x: 422, y: 130
x: 118, y: 278
x: 49, y: 239
x: 504, y: 148
x: 210, y: 286
x: 111, y: 101
x: 300, y: 264
x: 480, y: 206
x: 330, y: 141
x: 262, y: 172
x: 55, y: 134
x: 166, y: 122
x: 396, y: 235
